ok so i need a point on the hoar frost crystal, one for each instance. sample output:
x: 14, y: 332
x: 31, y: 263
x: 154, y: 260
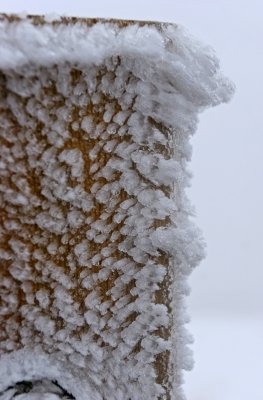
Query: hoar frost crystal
x: 95, y: 238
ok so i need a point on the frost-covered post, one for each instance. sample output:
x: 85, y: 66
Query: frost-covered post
x: 95, y: 240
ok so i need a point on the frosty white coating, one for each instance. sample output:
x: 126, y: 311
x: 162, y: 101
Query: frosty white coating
x: 95, y: 124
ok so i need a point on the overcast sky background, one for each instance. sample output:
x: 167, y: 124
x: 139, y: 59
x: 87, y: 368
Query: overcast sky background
x: 226, y: 303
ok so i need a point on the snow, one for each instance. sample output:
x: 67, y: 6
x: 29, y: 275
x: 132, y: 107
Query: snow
x: 102, y: 222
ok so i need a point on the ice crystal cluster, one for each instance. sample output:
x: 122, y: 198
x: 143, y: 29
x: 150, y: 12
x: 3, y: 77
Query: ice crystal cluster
x: 95, y: 238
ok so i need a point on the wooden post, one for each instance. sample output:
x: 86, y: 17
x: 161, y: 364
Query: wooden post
x: 95, y: 239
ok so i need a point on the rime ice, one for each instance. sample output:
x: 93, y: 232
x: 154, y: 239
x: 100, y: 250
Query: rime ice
x: 95, y: 238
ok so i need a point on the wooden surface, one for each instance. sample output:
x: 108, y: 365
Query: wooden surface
x: 17, y: 138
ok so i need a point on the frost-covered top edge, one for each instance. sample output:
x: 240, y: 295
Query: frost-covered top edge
x: 24, y: 41
x: 165, y: 52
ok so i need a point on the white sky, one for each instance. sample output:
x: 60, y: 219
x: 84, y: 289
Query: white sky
x: 227, y: 160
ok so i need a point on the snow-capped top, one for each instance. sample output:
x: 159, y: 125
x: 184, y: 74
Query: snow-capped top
x: 154, y: 50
